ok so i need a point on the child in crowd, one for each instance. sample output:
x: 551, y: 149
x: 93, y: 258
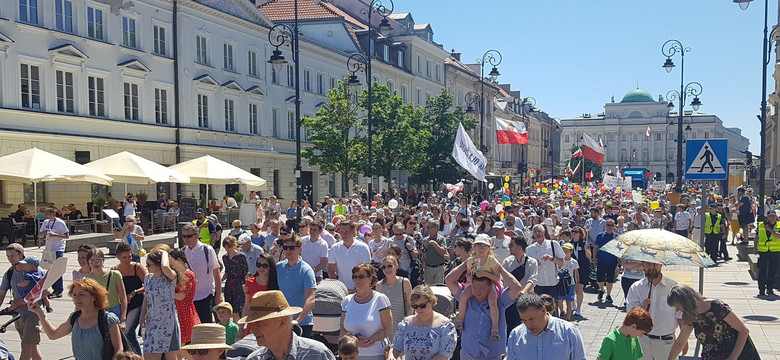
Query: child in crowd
x: 348, y: 348
x: 572, y: 266
x: 482, y: 264
x: 32, y: 275
x: 549, y: 303
x: 224, y: 313
x: 623, y: 342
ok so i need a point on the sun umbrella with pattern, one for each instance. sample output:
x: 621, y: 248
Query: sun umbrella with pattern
x: 658, y: 246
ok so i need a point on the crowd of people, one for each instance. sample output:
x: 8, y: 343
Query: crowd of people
x: 516, y: 266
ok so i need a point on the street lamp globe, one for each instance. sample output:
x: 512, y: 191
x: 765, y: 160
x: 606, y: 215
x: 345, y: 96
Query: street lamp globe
x: 353, y: 82
x: 669, y: 65
x: 384, y: 27
x: 688, y: 127
x: 494, y: 74
x: 670, y: 105
x: 277, y: 61
x: 743, y: 4
x: 696, y: 103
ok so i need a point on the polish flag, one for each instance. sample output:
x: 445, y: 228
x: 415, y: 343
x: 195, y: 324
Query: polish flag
x: 511, y: 132
x: 574, y: 172
x: 577, y: 153
x: 592, y: 150
x: 568, y: 168
x: 648, y: 132
x: 589, y: 175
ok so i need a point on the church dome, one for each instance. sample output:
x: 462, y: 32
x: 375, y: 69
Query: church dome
x: 637, y: 95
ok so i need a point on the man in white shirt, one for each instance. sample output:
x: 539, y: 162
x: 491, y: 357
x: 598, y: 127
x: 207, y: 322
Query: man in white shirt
x: 56, y: 233
x: 346, y: 254
x: 650, y: 293
x: 549, y: 255
x: 203, y: 261
x: 251, y: 251
x: 315, y: 249
x: 500, y: 242
x: 683, y: 222
x: 228, y: 202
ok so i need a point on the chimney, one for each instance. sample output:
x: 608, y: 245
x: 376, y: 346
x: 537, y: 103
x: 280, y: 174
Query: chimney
x: 455, y: 55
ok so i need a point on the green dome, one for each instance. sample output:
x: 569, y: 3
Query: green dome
x: 637, y: 95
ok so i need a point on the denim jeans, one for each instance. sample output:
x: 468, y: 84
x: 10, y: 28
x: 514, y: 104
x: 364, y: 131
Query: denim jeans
x: 57, y: 287
x: 131, y: 329
x: 116, y: 310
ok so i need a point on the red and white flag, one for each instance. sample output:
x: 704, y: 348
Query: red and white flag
x: 568, y: 168
x: 577, y: 153
x: 454, y: 188
x: 511, y: 132
x: 648, y: 132
x: 592, y: 150
x: 589, y: 175
x: 574, y: 172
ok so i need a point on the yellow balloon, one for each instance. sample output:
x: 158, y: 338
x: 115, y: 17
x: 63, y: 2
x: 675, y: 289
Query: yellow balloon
x: 618, y: 188
x: 506, y: 178
x: 544, y: 190
x: 654, y: 205
x: 556, y: 186
x: 574, y: 203
x: 506, y: 185
x: 507, y: 203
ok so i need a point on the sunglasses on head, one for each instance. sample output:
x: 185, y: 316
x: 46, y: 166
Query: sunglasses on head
x: 361, y: 277
x: 290, y: 247
x: 198, y: 351
x: 262, y: 265
x: 188, y: 236
x: 419, y: 306
x: 547, y: 298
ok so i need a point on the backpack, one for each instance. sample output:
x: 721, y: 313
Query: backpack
x: 108, y: 347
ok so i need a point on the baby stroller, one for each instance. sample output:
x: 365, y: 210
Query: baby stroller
x: 327, y: 312
x: 14, y: 316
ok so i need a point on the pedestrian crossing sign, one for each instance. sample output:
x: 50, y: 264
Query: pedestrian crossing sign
x: 706, y: 159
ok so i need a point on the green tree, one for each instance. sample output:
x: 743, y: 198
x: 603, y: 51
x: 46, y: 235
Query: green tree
x: 399, y: 132
x: 588, y: 165
x: 337, y: 135
x: 442, y: 120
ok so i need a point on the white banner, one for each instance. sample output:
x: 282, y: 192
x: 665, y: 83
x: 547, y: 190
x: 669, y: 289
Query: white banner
x: 467, y: 155
x: 659, y: 185
x: 611, y: 181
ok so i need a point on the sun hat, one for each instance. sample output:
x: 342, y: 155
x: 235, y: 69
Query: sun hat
x: 222, y: 305
x: 568, y: 246
x: 207, y: 336
x: 482, y: 239
x: 268, y: 305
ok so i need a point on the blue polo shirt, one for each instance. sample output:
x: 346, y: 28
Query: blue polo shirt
x: 603, y: 256
x: 293, y: 282
x: 475, y: 340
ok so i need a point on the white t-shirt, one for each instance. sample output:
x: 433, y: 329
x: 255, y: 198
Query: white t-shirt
x: 378, y: 249
x: 129, y: 208
x: 313, y: 252
x: 571, y: 265
x: 204, y: 271
x: 364, y: 319
x: 59, y: 227
x: 681, y: 219
x: 501, y: 250
x: 347, y: 258
x: 548, y: 272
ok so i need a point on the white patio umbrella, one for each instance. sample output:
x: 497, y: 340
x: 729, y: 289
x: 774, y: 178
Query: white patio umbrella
x: 129, y: 168
x: 35, y: 165
x: 208, y: 170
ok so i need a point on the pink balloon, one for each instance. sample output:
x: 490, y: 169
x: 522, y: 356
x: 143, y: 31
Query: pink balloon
x: 484, y: 204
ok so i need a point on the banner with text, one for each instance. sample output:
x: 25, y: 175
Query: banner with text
x: 467, y: 155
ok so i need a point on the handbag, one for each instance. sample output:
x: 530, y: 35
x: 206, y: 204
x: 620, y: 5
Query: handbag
x: 564, y: 277
x: 48, y: 257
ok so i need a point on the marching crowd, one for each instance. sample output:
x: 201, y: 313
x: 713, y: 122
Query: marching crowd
x: 517, y: 267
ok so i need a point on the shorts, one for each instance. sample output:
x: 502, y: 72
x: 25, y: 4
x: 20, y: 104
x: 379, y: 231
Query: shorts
x: 569, y: 296
x: 745, y: 220
x: 606, y: 272
x: 29, y: 329
x: 549, y: 290
x: 584, y: 272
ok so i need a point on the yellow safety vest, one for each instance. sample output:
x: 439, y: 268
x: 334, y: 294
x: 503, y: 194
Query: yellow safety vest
x: 768, y: 243
x: 205, y: 234
x: 709, y: 228
x: 340, y: 210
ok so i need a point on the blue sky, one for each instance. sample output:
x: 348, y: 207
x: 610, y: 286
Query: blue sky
x: 574, y: 55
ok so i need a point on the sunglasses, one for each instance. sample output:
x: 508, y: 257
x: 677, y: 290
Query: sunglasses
x: 384, y: 267
x: 284, y: 233
x: 291, y: 247
x: 188, y: 236
x: 547, y: 298
x: 419, y: 306
x: 411, y: 223
x: 262, y: 265
x: 198, y: 351
x: 95, y: 261
x: 361, y: 277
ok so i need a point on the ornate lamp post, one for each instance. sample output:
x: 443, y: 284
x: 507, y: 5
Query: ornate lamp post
x: 669, y: 49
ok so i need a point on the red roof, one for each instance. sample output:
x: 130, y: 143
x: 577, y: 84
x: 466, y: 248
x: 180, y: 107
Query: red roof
x: 280, y: 10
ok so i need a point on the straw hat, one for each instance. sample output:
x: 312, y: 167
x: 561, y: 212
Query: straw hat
x: 207, y: 336
x: 268, y: 305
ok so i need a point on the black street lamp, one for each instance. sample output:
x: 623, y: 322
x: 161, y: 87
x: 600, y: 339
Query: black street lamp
x: 362, y: 62
x: 669, y: 49
x: 278, y: 36
x: 743, y: 4
x: 492, y: 57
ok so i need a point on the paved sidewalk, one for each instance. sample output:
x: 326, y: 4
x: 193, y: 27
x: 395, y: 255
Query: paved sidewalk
x: 729, y: 282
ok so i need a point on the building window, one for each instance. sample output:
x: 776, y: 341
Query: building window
x: 97, y: 96
x: 63, y: 10
x: 390, y: 86
x: 401, y: 59
x: 230, y: 115
x: 203, y: 111
x: 636, y: 137
x: 333, y: 83
x: 291, y: 125
x: 706, y: 135
x: 227, y: 56
x: 131, y: 101
x: 611, y: 137
x: 386, y: 53
x: 159, y: 40
x: 419, y: 64
x: 201, y: 52
x: 161, y: 106
x: 31, y: 86
x: 95, y: 23
x: 28, y: 11
x: 320, y: 84
x: 252, y: 63
x: 277, y: 184
x: 65, y: 100
x: 290, y: 76
x: 128, y: 32
x: 428, y: 68
x: 438, y: 72
x: 307, y: 80
x: 565, y: 138
x: 693, y: 135
x: 622, y: 137
x: 275, y: 122
x: 274, y: 76
x: 658, y: 136
x: 419, y: 96
x: 403, y: 93
x: 253, y: 119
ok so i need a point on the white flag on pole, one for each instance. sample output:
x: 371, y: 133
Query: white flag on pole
x: 467, y: 155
